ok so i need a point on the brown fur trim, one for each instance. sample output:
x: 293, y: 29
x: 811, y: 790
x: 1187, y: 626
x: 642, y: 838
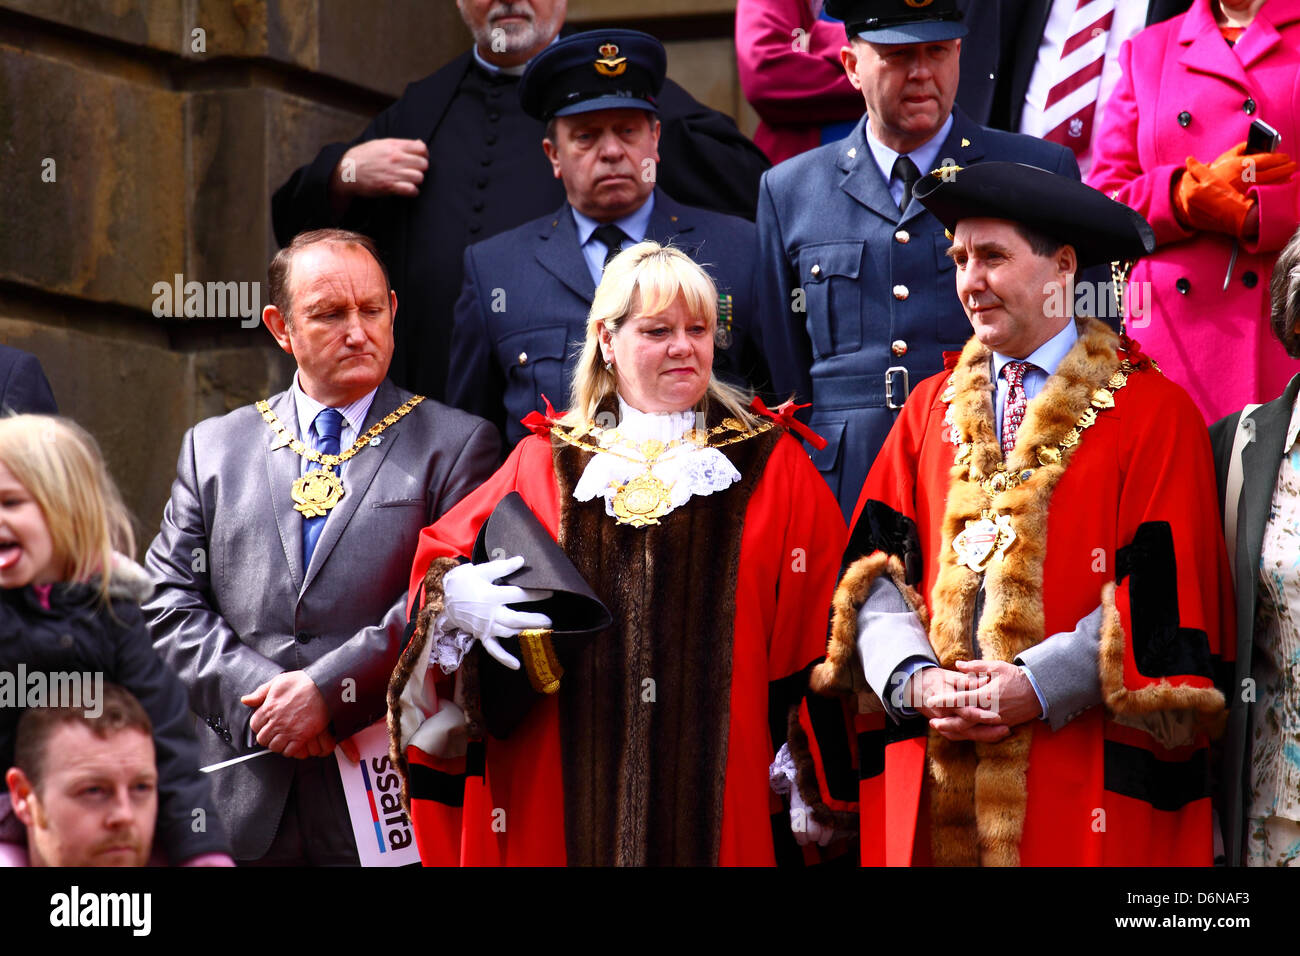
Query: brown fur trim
x: 841, y: 672
x: 405, y: 668
x: 631, y: 763
x: 843, y: 822
x: 985, y: 783
x: 1173, y: 715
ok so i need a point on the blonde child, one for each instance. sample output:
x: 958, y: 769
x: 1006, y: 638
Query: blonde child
x: 69, y: 605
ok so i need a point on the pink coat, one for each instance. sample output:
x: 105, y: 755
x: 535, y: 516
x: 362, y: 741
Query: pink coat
x: 789, y: 64
x: 1186, y: 92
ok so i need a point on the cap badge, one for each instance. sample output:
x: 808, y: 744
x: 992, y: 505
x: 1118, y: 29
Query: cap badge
x: 610, y: 63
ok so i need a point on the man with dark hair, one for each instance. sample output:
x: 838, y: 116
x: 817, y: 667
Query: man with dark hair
x: 1036, y: 588
x: 455, y: 160
x: 853, y: 288
x: 281, y: 565
x: 523, y: 310
x: 86, y: 788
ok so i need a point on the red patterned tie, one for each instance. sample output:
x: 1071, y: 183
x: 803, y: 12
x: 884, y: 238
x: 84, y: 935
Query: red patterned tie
x: 1072, y: 100
x: 1013, y: 410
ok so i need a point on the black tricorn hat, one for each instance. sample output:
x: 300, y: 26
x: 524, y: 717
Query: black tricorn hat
x: 1099, y: 229
x: 595, y: 70
x: 899, y: 21
x: 575, y: 612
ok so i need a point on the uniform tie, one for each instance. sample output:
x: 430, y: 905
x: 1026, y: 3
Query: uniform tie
x: 328, y: 427
x: 906, y: 171
x: 612, y: 238
x: 1013, y: 410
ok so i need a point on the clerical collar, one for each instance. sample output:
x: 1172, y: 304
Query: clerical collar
x: 495, y: 70
x: 1047, y: 356
x: 635, y: 224
x: 925, y: 156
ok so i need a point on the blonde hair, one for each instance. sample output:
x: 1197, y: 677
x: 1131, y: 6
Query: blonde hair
x: 645, y: 280
x: 60, y: 465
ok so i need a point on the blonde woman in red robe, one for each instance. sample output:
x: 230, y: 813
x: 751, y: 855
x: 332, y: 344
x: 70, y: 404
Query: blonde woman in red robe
x: 714, y: 543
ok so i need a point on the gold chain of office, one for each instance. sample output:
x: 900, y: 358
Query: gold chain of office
x: 316, y: 492
x: 644, y: 499
x: 991, y: 535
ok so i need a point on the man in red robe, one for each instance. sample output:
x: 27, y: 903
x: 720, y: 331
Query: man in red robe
x: 1036, y: 587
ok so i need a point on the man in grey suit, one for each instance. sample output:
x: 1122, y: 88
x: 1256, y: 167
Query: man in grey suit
x: 282, y: 563
x: 853, y: 286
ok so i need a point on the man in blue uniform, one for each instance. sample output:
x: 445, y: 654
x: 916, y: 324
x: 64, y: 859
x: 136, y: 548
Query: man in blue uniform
x: 854, y: 290
x: 522, y: 313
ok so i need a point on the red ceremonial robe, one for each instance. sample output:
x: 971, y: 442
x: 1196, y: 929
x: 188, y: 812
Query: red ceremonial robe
x: 510, y: 810
x: 1133, y: 526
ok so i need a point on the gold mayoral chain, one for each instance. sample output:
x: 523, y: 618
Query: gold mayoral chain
x: 991, y: 535
x: 316, y: 492
x: 644, y: 499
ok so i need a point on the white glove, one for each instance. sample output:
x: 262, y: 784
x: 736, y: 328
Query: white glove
x: 474, y: 604
x: 806, y: 829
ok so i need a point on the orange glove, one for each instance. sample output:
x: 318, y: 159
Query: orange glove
x: 1242, y: 170
x: 1208, y: 202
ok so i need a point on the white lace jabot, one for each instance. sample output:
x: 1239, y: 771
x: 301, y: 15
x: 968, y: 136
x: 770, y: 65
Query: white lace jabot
x: 685, y: 469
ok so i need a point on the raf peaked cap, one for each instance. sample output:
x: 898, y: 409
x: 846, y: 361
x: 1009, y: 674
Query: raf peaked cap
x: 596, y: 70
x: 899, y: 21
x: 575, y: 612
x: 1100, y: 229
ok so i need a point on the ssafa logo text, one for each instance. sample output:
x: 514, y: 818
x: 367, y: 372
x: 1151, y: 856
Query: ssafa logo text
x: 77, y: 909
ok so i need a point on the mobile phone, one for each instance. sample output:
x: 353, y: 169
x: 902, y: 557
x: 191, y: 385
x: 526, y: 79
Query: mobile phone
x: 1263, y: 138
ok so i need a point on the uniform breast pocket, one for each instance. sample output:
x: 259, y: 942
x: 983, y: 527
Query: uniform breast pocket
x: 828, y: 273
x: 952, y: 326
x: 534, y: 362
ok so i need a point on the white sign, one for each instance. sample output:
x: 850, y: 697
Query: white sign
x: 373, y: 788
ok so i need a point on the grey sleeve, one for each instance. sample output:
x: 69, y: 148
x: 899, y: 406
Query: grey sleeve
x: 889, y: 634
x: 1064, y: 668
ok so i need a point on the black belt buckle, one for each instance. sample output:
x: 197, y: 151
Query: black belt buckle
x: 889, y: 387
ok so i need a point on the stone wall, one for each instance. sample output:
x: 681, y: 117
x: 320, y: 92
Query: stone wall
x: 140, y: 140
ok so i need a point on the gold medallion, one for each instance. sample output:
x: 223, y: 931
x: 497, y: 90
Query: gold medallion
x: 316, y: 492
x: 641, y: 501
x: 987, y: 537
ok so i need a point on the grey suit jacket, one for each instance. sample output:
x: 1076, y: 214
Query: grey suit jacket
x: 234, y: 606
x: 1260, y: 460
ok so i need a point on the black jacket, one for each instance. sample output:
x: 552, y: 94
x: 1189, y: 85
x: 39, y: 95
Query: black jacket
x: 77, y: 634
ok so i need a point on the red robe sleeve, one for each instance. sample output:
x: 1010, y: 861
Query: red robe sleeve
x: 453, y: 534
x: 1173, y: 597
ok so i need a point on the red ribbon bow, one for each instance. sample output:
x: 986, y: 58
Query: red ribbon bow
x: 540, y: 423
x: 784, y: 416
